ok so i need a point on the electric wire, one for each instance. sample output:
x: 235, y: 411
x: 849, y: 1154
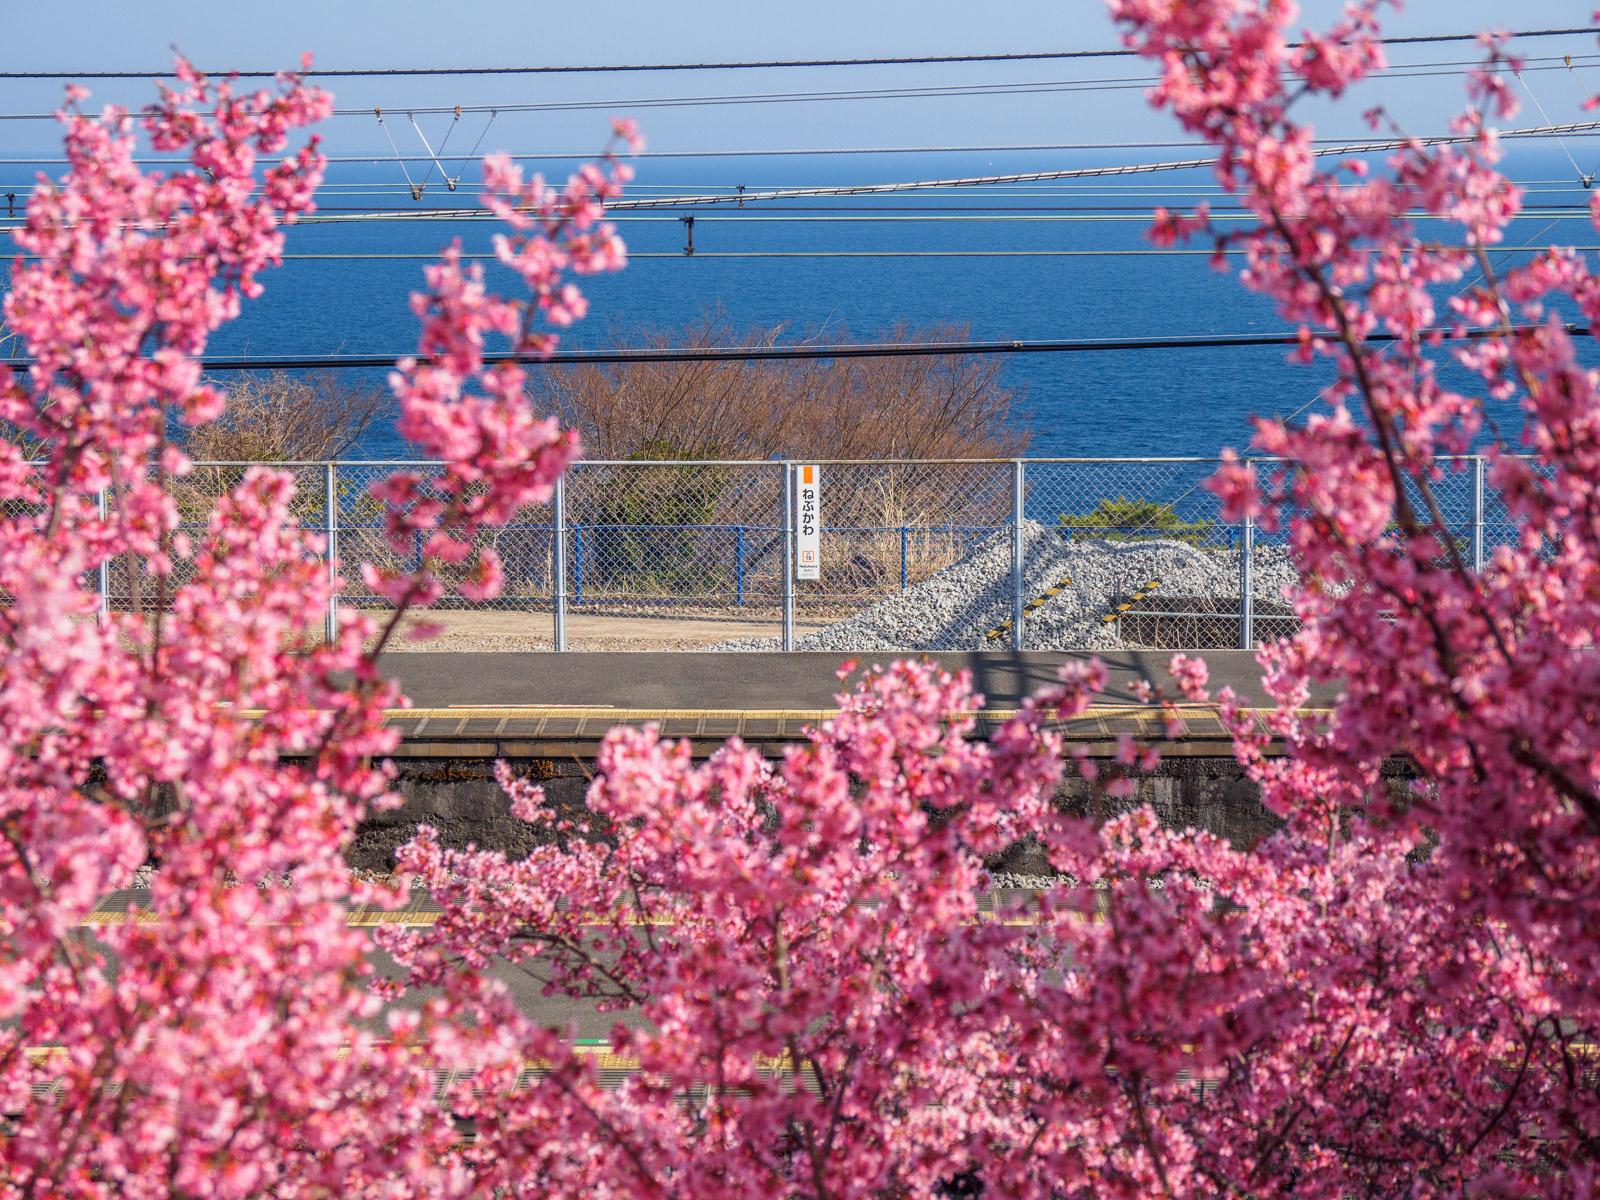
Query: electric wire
x: 781, y: 254
x: 351, y: 72
x: 929, y: 349
x: 928, y: 91
x: 743, y: 196
x: 1505, y: 258
x: 749, y: 217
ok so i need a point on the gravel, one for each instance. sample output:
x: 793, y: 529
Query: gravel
x: 956, y: 608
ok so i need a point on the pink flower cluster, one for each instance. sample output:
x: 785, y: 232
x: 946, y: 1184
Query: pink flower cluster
x: 496, y: 455
x: 226, y: 1043
x: 1394, y: 994
x: 818, y: 1004
x: 1483, y: 681
x: 822, y: 992
x: 222, y: 1046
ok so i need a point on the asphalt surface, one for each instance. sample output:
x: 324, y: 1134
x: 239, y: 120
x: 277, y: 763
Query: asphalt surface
x: 756, y: 681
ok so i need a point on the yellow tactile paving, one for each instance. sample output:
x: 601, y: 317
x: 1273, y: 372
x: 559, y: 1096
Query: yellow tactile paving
x: 423, y: 919
x: 530, y: 723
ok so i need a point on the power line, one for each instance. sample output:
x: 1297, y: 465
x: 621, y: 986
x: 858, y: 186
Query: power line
x: 1591, y: 129
x: 918, y: 60
x: 742, y: 196
x: 965, y: 253
x: 854, y: 350
x: 819, y: 151
x: 1139, y: 215
x: 929, y: 91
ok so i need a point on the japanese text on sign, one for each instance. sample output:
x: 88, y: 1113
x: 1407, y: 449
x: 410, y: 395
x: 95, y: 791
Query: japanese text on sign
x: 808, y: 523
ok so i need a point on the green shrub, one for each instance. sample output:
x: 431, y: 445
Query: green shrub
x: 1123, y: 520
x: 648, y: 540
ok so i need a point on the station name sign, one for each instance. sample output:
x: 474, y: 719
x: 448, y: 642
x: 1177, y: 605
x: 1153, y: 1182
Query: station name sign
x: 808, y: 522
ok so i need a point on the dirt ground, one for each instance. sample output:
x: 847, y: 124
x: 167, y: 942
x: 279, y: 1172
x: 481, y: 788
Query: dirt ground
x: 524, y: 631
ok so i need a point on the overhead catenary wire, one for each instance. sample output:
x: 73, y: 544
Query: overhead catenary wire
x: 743, y: 196
x: 1141, y: 215
x: 926, y: 91
x: 899, y: 60
x: 927, y: 349
x: 1343, y: 145
x: 969, y: 216
x: 1178, y: 252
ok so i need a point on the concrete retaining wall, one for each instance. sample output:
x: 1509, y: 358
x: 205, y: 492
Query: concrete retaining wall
x: 461, y: 799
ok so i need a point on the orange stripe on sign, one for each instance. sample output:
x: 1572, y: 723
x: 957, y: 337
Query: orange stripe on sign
x: 808, y: 471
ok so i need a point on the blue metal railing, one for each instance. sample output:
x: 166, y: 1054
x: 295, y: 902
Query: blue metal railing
x: 589, y: 548
x: 694, y: 552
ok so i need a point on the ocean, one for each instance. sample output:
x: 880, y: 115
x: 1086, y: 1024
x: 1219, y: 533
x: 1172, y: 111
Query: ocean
x: 1044, y: 261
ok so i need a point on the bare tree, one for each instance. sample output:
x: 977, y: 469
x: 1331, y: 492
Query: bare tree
x: 937, y: 406
x: 275, y: 416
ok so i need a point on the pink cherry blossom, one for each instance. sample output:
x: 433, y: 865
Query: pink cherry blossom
x: 808, y: 962
x: 227, y: 1043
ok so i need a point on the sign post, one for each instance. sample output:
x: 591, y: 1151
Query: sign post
x: 808, y: 522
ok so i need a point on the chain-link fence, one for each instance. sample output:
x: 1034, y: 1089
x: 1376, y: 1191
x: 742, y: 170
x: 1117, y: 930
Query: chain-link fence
x: 1027, y: 554
x: 125, y: 586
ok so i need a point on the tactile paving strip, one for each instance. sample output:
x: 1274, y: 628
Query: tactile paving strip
x: 527, y: 723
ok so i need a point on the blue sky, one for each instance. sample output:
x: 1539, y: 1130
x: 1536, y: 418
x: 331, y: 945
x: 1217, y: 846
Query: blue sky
x: 102, y: 34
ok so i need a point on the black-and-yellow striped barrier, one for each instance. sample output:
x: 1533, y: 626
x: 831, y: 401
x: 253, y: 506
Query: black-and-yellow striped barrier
x: 994, y: 635
x: 1116, y: 613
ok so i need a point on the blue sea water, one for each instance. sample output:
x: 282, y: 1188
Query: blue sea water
x: 1113, y: 404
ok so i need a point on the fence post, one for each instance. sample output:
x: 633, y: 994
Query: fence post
x: 902, y: 558
x: 103, y: 574
x: 788, y: 555
x: 738, y: 565
x: 1247, y: 585
x: 1017, y: 556
x: 577, y: 564
x: 331, y: 501
x: 559, y: 597
x: 1478, y: 472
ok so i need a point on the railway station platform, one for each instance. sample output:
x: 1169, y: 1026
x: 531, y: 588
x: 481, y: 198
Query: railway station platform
x: 546, y: 705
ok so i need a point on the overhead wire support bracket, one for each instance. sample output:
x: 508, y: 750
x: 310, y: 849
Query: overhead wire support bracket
x: 448, y: 181
x: 416, y: 188
x: 493, y: 113
x: 1587, y: 180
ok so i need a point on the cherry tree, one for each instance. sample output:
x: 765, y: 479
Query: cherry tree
x: 1392, y: 995
x: 823, y: 995
x: 225, y: 1042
